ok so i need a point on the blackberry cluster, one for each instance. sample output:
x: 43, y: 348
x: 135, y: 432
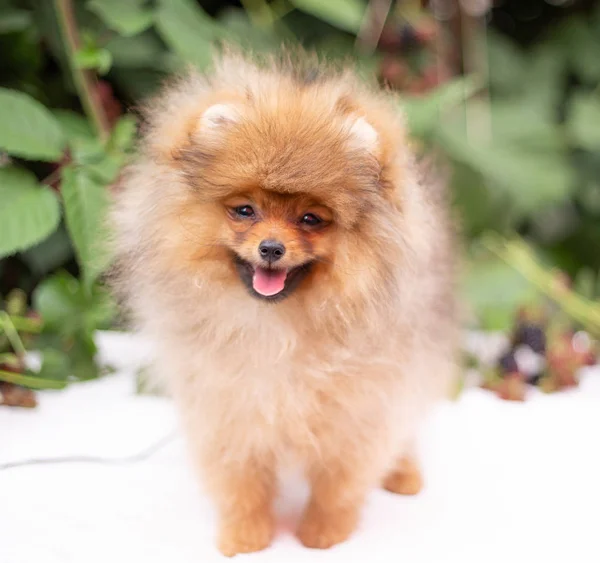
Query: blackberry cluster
x: 508, y: 363
x: 532, y: 335
x: 545, y: 354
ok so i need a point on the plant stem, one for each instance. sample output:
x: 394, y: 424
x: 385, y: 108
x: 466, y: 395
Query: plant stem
x: 516, y: 254
x: 8, y: 359
x: 84, y: 79
x: 372, y: 24
x: 259, y: 13
x: 474, y: 48
x: 31, y: 381
x: 12, y: 334
x: 23, y: 324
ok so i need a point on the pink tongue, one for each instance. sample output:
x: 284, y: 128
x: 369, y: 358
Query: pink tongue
x: 268, y: 282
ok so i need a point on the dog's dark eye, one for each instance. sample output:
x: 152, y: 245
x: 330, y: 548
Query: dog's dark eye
x: 244, y: 211
x: 310, y: 219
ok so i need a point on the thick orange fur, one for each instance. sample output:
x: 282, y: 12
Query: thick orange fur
x: 338, y: 376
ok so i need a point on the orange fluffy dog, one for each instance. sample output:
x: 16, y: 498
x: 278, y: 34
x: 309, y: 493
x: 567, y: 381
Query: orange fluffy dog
x: 281, y: 250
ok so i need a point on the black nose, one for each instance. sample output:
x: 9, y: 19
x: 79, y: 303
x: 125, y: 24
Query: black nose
x: 271, y: 250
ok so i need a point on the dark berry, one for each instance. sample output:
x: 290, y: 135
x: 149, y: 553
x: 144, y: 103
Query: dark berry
x: 508, y: 363
x: 409, y: 38
x: 531, y: 335
x: 533, y: 379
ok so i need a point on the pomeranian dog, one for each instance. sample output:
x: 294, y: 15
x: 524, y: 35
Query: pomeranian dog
x: 292, y: 266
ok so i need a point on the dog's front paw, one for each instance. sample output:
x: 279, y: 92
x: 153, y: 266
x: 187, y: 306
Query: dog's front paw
x: 321, y: 530
x: 246, y: 535
x: 406, y: 479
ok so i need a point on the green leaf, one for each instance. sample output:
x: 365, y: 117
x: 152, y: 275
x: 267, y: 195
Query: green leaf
x: 141, y: 83
x: 142, y: 51
x: 94, y: 58
x: 101, y: 309
x: 343, y: 14
x: 530, y: 177
x: 127, y: 17
x: 251, y: 36
x: 533, y: 77
x: 478, y: 205
x: 188, y: 30
x: 507, y: 65
x: 86, y: 203
x: 29, y: 212
x: 585, y: 283
x: 51, y: 253
x: 28, y: 129
x: 56, y: 365
x: 583, y: 121
x: 82, y: 356
x: 522, y: 122
x: 59, y: 301
x: 13, y: 20
x: 495, y: 290
x: 578, y: 40
x: 543, y: 83
x: 424, y: 113
x: 74, y: 125
x: 71, y: 311
x: 123, y: 134
x: 105, y: 170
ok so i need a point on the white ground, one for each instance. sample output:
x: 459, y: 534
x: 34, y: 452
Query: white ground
x: 505, y: 482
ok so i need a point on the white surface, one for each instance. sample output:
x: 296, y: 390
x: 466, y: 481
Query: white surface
x: 505, y: 482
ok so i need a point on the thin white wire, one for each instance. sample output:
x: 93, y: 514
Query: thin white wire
x: 143, y: 455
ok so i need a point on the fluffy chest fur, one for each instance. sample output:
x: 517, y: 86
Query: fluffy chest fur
x: 275, y: 381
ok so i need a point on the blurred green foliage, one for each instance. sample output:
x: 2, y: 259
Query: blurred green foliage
x: 525, y: 156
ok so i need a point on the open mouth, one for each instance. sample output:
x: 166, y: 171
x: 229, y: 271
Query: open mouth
x: 270, y: 284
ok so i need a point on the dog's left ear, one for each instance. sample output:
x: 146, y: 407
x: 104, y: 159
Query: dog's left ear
x: 363, y: 135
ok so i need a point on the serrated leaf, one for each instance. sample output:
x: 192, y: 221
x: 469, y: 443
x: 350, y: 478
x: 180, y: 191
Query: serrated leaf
x: 188, y: 30
x: 583, y: 121
x: 105, y: 170
x: 343, y: 14
x: 127, y: 17
x: 86, y: 203
x: 28, y: 129
x: 29, y: 212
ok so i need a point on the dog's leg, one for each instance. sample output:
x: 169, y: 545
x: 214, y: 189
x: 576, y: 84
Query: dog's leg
x: 339, y: 489
x: 405, y: 478
x: 244, y: 494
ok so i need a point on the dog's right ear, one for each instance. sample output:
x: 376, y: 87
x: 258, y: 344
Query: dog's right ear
x: 217, y: 118
x: 179, y: 127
